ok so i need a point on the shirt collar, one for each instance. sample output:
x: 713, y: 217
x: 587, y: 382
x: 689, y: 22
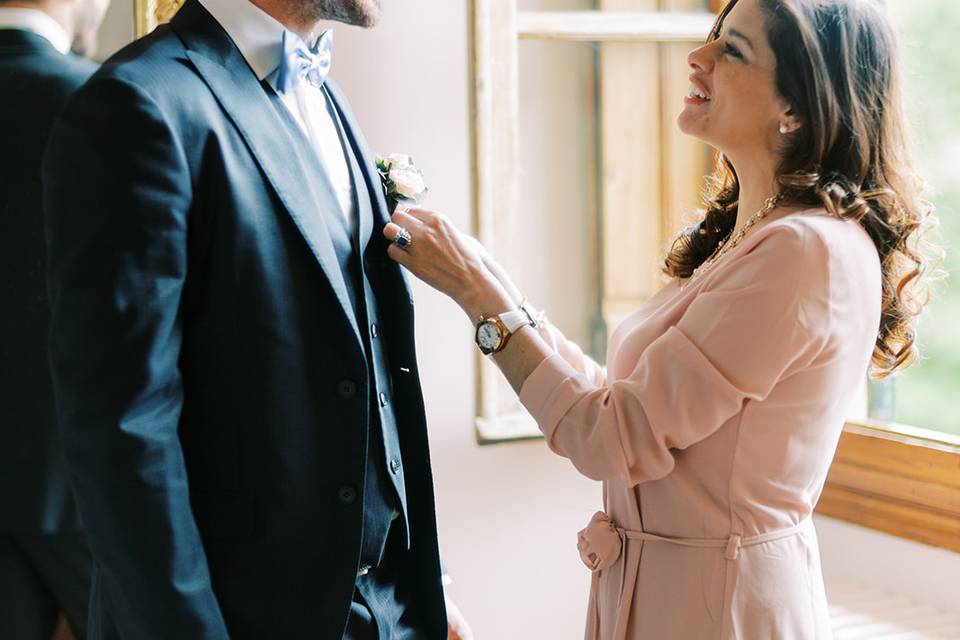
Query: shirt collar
x: 37, y: 22
x: 256, y: 33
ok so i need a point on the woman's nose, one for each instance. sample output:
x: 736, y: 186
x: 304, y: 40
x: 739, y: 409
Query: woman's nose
x: 701, y: 59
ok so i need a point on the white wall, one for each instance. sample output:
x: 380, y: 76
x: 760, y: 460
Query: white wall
x: 117, y: 28
x: 509, y: 514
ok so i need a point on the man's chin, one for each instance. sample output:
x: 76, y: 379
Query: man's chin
x: 372, y: 16
x: 368, y: 21
x: 358, y: 13
x: 84, y: 44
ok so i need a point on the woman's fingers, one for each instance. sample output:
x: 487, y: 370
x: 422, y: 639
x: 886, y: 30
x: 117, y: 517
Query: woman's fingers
x: 398, y: 255
x: 395, y: 252
x: 405, y: 219
x: 422, y: 216
x: 392, y: 230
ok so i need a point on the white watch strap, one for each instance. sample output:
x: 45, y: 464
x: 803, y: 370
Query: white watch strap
x: 513, y: 320
x: 538, y: 319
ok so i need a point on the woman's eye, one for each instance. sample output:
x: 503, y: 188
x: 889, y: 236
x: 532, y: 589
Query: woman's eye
x: 731, y: 50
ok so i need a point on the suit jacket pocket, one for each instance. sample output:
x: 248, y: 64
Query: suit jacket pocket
x: 224, y: 516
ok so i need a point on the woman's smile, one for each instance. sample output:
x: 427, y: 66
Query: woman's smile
x: 697, y: 94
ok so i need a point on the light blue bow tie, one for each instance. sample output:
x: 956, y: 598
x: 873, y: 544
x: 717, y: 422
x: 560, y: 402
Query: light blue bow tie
x: 298, y: 62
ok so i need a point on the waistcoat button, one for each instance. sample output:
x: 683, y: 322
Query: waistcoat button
x: 347, y: 389
x: 347, y: 494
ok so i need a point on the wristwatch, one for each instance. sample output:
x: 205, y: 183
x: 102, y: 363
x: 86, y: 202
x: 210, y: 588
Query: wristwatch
x: 494, y: 332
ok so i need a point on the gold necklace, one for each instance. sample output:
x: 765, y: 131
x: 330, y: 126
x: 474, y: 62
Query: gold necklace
x: 769, y: 205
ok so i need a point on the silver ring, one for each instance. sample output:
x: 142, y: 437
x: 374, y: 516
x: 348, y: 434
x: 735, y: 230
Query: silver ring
x: 403, y: 239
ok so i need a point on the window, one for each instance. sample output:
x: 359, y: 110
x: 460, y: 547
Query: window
x: 621, y: 65
x: 576, y: 89
x: 925, y: 394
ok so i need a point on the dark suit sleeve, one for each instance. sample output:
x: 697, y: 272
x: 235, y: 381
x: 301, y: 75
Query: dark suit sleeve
x: 117, y: 192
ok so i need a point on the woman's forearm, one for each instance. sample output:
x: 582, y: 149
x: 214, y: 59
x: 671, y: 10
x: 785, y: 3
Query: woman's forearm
x: 525, y: 349
x: 522, y: 355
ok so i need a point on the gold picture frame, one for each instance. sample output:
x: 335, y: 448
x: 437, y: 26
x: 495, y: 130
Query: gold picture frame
x: 150, y: 13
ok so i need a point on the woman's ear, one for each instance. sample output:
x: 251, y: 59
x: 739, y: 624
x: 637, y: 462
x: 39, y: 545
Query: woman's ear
x: 789, y: 121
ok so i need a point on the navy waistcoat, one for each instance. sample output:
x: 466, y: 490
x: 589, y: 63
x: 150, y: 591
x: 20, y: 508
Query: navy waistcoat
x: 384, y: 493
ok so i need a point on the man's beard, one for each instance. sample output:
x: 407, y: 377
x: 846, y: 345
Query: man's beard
x: 84, y: 43
x: 361, y: 13
x: 89, y: 16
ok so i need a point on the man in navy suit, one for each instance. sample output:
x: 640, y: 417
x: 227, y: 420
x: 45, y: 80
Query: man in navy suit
x: 232, y: 351
x: 44, y: 561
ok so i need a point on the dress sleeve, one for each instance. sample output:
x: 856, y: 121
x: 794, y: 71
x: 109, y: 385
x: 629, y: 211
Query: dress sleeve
x: 573, y: 355
x: 760, y: 317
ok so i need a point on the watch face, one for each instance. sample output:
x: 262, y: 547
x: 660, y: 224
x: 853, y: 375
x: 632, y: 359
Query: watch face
x: 488, y: 336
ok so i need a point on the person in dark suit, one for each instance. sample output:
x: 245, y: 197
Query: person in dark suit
x: 232, y: 350
x: 44, y: 561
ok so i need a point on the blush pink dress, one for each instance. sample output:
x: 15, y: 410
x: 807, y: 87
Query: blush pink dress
x: 712, y: 430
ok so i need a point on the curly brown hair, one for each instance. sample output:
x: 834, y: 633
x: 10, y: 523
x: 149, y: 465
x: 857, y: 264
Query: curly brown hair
x: 837, y: 66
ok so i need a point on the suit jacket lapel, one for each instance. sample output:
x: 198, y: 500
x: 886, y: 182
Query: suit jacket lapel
x: 245, y: 101
x: 367, y: 168
x: 373, y: 240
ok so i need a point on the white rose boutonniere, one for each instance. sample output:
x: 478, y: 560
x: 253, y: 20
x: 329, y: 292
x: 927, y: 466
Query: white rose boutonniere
x: 402, y: 181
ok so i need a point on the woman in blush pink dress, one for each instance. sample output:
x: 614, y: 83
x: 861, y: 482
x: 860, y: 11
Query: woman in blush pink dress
x: 715, y: 421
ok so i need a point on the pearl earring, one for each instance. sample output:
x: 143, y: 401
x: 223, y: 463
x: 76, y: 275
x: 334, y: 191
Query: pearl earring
x: 783, y: 128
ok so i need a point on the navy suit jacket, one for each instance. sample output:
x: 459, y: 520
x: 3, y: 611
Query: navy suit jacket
x: 210, y: 378
x: 35, y: 81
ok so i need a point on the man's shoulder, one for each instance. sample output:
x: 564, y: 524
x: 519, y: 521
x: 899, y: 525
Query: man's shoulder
x: 156, y: 64
x: 46, y: 68
x: 69, y: 72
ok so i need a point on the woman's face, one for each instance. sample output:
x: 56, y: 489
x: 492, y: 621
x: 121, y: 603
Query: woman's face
x: 732, y: 103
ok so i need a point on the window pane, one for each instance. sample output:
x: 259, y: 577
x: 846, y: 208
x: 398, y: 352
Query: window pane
x: 554, y: 5
x: 612, y: 5
x: 554, y: 230
x: 926, y: 394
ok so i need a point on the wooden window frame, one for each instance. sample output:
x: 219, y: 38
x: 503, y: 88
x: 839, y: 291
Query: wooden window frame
x: 147, y: 14
x: 496, y: 31
x: 892, y: 478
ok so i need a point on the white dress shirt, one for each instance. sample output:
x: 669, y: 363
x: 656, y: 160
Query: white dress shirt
x: 258, y: 36
x: 38, y: 22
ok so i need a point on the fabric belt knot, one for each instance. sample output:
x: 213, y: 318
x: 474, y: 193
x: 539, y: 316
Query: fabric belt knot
x: 733, y: 547
x: 600, y: 543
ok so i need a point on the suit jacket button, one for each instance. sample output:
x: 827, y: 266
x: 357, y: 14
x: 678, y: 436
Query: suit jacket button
x: 347, y: 389
x: 347, y: 494
x: 395, y: 466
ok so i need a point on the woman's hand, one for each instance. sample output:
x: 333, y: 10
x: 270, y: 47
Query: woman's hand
x: 457, y: 265
x: 495, y: 269
x: 448, y: 261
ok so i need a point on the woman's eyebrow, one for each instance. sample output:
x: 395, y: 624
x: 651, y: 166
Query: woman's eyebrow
x: 736, y: 34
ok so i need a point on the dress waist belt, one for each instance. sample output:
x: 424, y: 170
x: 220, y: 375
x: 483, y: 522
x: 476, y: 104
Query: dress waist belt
x: 731, y: 544
x: 603, y: 543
